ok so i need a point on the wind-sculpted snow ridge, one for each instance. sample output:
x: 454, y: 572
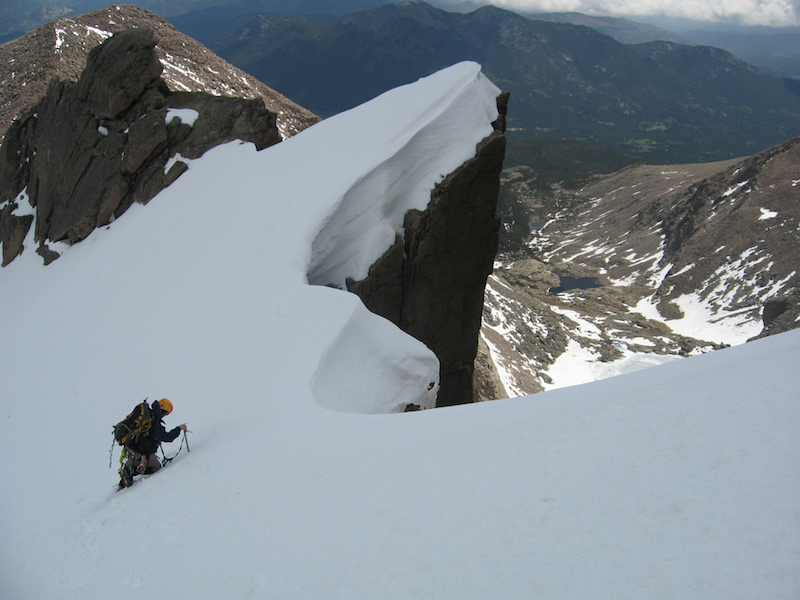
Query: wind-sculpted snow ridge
x: 360, y: 229
x: 269, y: 207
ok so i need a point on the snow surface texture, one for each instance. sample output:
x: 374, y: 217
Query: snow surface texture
x: 675, y: 482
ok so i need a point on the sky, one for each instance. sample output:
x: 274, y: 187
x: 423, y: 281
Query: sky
x: 772, y: 13
x: 667, y: 13
x: 301, y: 479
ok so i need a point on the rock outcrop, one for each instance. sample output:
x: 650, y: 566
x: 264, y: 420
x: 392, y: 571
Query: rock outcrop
x: 487, y: 384
x: 431, y: 282
x: 90, y: 149
x: 780, y: 314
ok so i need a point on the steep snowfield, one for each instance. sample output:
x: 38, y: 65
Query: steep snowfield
x: 679, y: 481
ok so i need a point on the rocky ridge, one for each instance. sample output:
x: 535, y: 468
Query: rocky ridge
x: 88, y: 150
x: 59, y: 49
x: 681, y: 259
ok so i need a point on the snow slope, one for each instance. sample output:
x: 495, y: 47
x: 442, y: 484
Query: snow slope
x: 675, y: 482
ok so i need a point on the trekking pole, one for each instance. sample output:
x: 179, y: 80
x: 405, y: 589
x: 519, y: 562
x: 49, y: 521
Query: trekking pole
x: 186, y: 439
x: 111, y: 451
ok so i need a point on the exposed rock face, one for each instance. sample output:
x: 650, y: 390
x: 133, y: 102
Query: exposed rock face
x: 733, y: 238
x: 780, y: 314
x: 431, y: 282
x: 487, y: 384
x: 88, y: 150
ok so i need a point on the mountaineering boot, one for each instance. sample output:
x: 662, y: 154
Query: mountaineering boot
x: 125, y: 479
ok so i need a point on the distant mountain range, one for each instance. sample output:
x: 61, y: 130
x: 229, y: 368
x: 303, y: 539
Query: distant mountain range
x: 20, y: 16
x: 622, y: 30
x: 774, y: 50
x: 662, y: 101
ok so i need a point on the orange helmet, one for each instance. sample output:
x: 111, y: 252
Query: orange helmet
x: 165, y: 405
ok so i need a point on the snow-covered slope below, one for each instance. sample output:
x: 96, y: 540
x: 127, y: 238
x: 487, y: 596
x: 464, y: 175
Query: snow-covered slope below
x: 672, y: 482
x: 650, y: 263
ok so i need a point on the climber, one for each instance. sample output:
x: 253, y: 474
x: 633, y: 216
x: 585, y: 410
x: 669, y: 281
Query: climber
x: 140, y: 456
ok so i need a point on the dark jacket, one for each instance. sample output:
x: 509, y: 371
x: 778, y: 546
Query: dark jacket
x: 158, y: 432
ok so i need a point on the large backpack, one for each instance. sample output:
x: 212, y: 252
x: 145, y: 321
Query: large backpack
x: 133, y: 431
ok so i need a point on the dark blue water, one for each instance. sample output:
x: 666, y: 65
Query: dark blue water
x: 537, y: 225
x: 575, y: 283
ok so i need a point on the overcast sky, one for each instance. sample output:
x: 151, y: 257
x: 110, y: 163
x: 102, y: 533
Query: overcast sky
x: 749, y: 12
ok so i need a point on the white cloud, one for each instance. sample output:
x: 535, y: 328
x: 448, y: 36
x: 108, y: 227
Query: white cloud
x: 751, y: 12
